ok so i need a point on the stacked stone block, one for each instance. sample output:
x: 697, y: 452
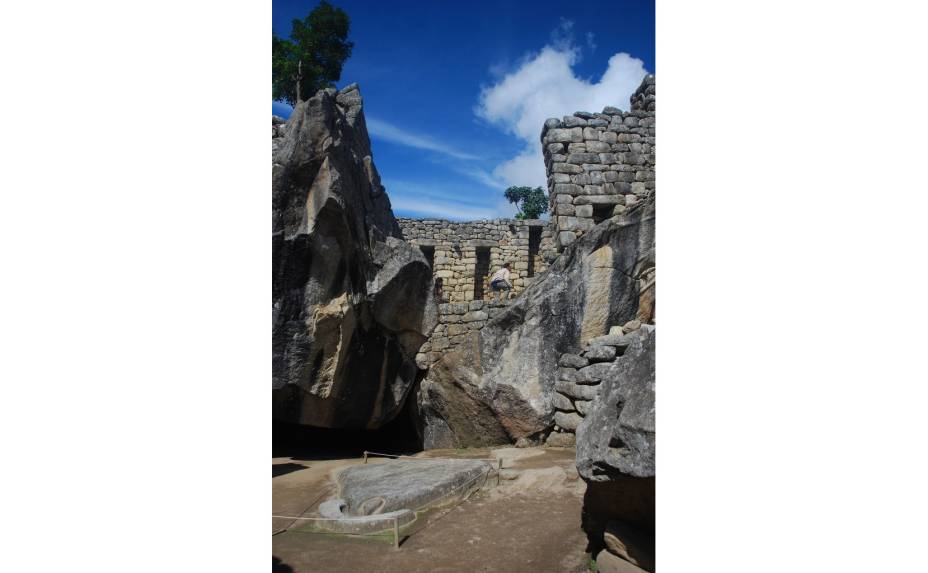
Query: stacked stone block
x: 456, y: 320
x: 456, y: 245
x: 581, y: 376
x: 599, y: 164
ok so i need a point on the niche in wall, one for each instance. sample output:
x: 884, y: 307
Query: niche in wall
x: 481, y: 270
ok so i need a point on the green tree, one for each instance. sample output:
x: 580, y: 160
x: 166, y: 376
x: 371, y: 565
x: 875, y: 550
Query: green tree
x: 312, y: 58
x: 532, y: 202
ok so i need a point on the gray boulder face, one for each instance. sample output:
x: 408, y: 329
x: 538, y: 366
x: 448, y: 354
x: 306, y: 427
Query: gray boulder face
x: 616, y: 438
x: 375, y: 488
x: 615, y: 446
x: 352, y: 302
x: 498, y: 386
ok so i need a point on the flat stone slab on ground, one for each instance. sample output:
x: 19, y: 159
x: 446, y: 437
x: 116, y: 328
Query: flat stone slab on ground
x: 407, y: 484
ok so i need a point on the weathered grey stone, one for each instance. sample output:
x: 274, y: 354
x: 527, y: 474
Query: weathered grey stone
x: 582, y: 406
x: 631, y: 325
x: 583, y: 210
x: 571, y: 121
x: 474, y: 315
x: 599, y: 200
x: 617, y: 436
x: 620, y: 341
x: 566, y: 168
x: 600, y: 354
x: 581, y: 158
x: 561, y: 440
x: 593, y: 373
x: 337, y: 521
x: 568, y: 373
x: 561, y: 402
x: 567, y: 421
x: 565, y: 209
x: 343, y: 279
x: 558, y: 136
x: 576, y: 391
x: 572, y: 361
x: 406, y: 484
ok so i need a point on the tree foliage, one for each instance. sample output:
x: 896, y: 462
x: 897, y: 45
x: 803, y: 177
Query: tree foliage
x: 532, y: 202
x: 312, y: 58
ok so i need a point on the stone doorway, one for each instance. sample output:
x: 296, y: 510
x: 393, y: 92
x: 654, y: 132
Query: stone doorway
x: 534, y: 242
x: 429, y: 252
x: 481, y: 270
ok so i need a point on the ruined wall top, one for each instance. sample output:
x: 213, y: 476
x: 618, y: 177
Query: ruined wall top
x: 599, y: 165
x: 644, y: 97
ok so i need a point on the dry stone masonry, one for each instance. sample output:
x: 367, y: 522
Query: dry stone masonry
x: 599, y: 164
x: 465, y: 255
x: 581, y: 377
x: 455, y: 321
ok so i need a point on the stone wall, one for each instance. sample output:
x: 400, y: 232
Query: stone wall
x: 599, y: 164
x: 455, y: 321
x: 581, y: 376
x: 455, y: 245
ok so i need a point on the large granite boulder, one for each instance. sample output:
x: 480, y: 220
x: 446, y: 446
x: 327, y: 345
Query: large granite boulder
x: 616, y: 448
x: 498, y: 386
x: 352, y: 302
x: 616, y: 438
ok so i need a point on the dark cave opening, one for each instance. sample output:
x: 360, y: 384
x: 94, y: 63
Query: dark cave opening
x: 301, y: 442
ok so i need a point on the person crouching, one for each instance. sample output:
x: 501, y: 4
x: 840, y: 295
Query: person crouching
x: 500, y: 284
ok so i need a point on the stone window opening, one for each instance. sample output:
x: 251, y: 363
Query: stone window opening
x: 601, y: 213
x: 534, y: 242
x: 429, y: 252
x: 481, y: 270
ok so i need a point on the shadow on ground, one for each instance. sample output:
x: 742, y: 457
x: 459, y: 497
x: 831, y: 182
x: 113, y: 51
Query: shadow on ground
x: 306, y: 443
x: 281, y: 567
x: 283, y: 469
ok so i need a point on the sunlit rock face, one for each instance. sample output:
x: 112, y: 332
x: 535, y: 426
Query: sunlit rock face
x: 499, y: 385
x: 352, y: 302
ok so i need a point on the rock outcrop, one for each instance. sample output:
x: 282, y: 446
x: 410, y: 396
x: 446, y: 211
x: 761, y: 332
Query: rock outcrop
x: 615, y: 445
x: 498, y: 384
x: 352, y: 302
x: 616, y: 436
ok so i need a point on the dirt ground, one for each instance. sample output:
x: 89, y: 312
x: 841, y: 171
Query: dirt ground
x: 530, y: 523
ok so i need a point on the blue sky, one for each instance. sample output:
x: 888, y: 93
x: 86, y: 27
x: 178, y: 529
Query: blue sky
x: 455, y: 93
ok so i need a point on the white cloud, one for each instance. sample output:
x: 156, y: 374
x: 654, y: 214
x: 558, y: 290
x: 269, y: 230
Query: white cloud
x: 481, y: 176
x: 388, y: 132
x: 431, y: 207
x: 544, y: 86
x: 430, y: 200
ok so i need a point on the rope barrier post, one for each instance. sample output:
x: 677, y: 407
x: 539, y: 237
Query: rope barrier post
x: 365, y: 456
x: 499, y: 468
x: 396, y: 533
